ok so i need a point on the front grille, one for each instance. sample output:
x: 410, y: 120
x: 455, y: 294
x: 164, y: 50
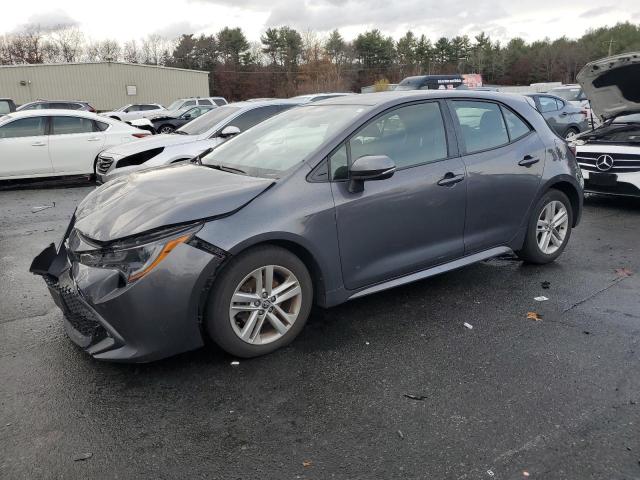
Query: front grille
x: 622, y: 162
x: 79, y: 315
x: 103, y: 164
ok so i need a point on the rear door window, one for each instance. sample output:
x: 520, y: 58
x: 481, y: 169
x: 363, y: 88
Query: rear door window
x: 204, y: 102
x: 515, y: 125
x: 547, y: 104
x: 219, y: 101
x: 71, y: 125
x: 481, y: 124
x: 25, y: 127
x: 189, y: 103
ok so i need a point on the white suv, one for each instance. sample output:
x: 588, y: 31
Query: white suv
x: 134, y: 111
x: 193, y: 101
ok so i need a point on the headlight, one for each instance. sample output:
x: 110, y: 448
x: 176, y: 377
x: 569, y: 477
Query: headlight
x: 135, y: 258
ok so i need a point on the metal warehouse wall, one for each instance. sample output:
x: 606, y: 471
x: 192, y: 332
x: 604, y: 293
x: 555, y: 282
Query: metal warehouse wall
x: 103, y: 84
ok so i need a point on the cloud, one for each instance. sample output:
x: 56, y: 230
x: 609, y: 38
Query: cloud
x: 176, y: 29
x: 596, y: 12
x: 52, y: 20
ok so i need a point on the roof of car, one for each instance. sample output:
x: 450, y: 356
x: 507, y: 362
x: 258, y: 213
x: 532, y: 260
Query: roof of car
x: 262, y: 103
x: 380, y: 98
x: 50, y: 112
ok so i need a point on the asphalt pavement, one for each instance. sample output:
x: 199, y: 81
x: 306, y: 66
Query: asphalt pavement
x: 391, y: 386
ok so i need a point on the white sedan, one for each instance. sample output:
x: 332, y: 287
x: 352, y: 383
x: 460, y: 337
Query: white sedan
x: 46, y: 143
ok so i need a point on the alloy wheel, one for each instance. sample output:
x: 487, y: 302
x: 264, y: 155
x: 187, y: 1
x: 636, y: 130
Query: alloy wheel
x: 551, y: 229
x: 166, y: 130
x: 265, y: 305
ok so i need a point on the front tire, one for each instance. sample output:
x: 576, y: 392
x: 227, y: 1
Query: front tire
x: 549, y: 229
x: 166, y: 129
x: 260, y: 302
x: 571, y: 133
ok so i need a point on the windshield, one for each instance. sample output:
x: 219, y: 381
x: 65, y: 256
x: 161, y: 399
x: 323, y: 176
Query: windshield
x: 207, y: 121
x: 568, y: 94
x: 285, y: 140
x: 122, y: 109
x: 175, y: 105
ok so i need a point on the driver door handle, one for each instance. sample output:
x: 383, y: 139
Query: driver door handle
x: 450, y: 179
x: 528, y: 160
x: 39, y: 144
x: 94, y: 139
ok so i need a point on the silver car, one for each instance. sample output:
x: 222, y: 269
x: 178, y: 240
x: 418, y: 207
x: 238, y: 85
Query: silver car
x: 207, y: 131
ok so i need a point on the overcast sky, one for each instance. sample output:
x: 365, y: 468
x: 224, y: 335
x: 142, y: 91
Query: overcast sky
x: 502, y: 19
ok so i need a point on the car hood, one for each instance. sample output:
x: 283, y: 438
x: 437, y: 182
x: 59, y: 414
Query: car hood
x: 152, y: 199
x: 612, y: 85
x: 150, y: 142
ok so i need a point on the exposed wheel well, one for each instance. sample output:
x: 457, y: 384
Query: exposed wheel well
x: 308, y: 260
x: 570, y: 191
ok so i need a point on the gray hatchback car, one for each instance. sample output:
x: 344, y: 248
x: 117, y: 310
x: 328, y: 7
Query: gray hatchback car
x: 323, y: 203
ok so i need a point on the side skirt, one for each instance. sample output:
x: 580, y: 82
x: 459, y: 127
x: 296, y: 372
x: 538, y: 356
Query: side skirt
x: 430, y: 272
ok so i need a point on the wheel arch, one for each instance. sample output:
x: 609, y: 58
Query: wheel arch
x: 570, y: 190
x: 299, y: 247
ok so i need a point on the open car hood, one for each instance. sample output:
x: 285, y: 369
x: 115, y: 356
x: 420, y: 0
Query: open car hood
x: 612, y: 85
x: 161, y: 197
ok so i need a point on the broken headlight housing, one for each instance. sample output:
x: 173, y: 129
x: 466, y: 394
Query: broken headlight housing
x: 136, y: 257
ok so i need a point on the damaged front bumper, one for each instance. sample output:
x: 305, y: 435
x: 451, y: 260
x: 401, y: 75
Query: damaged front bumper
x: 155, y: 317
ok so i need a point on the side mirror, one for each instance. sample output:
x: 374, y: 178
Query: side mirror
x: 370, y: 167
x: 187, y: 116
x: 229, y: 131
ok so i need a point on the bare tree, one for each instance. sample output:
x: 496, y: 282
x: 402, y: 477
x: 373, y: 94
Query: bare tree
x: 130, y: 53
x: 69, y: 43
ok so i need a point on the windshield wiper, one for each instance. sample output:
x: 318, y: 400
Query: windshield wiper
x: 225, y: 168
x: 180, y: 132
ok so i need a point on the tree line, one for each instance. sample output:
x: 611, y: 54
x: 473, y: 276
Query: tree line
x: 286, y: 62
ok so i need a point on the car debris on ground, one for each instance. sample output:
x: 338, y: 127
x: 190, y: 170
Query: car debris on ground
x: 42, y: 207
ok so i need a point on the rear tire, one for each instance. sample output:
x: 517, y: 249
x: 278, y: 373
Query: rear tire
x: 548, y: 231
x: 251, y: 312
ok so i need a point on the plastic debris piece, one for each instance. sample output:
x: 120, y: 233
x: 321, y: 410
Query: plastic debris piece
x: 536, y: 317
x: 307, y: 463
x: 490, y: 473
x: 525, y: 473
x: 623, y: 272
x: 468, y: 325
x: 42, y: 207
x: 546, y: 284
x: 400, y: 434
x: 586, y: 332
x: 235, y: 363
x: 541, y: 298
x: 366, y: 343
x: 82, y: 457
x: 415, y: 397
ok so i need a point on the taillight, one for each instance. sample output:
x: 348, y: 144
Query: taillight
x: 91, y: 109
x: 585, y: 113
x: 140, y: 135
x: 572, y: 147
